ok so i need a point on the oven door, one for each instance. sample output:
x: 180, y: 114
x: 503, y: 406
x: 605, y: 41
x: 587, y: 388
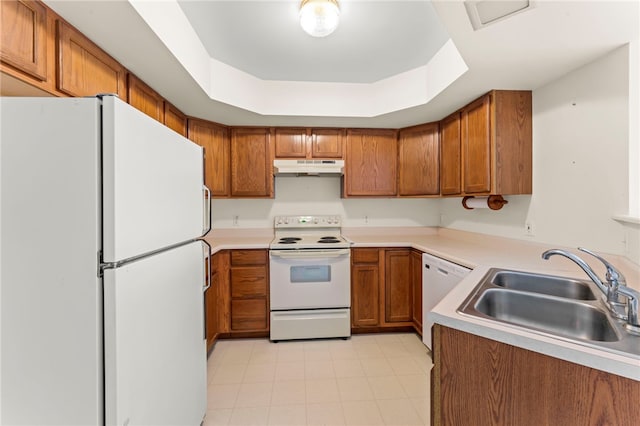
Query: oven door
x: 310, y: 279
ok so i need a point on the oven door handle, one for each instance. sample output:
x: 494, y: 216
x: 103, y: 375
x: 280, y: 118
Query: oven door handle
x: 307, y: 254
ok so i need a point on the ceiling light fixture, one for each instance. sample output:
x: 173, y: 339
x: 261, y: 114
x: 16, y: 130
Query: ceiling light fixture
x: 319, y: 18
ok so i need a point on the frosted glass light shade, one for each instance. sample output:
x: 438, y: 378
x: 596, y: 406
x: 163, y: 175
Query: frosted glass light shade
x: 319, y: 18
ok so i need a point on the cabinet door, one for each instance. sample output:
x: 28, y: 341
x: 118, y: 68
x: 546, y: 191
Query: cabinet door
x: 211, y: 310
x: 365, y: 295
x: 84, y: 69
x: 291, y: 143
x: 418, y: 161
x: 249, y: 315
x: 145, y: 99
x: 251, y: 163
x: 223, y: 292
x: 416, y: 281
x: 215, y: 141
x: 175, y: 119
x: 23, y: 37
x: 371, y: 159
x: 450, y: 155
x: 326, y: 143
x: 398, y: 288
x: 476, y: 146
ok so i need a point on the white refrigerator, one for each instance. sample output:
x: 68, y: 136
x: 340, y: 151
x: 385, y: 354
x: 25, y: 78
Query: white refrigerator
x: 102, y: 273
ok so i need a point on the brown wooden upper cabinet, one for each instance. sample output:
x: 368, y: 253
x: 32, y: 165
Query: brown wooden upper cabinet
x: 84, y: 69
x: 145, y: 99
x: 450, y: 155
x: 496, y: 136
x: 291, y: 142
x: 214, y: 138
x: 251, y: 162
x: 175, y: 119
x: 23, y: 36
x: 418, y: 161
x: 371, y: 162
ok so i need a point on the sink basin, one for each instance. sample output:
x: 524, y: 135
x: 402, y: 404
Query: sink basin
x: 554, y: 315
x: 544, y: 284
x: 556, y: 307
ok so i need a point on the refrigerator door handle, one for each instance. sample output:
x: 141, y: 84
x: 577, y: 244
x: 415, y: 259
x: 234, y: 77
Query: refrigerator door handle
x: 207, y: 286
x: 207, y: 265
x: 207, y: 227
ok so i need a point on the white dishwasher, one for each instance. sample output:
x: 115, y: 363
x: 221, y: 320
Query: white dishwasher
x: 439, y: 277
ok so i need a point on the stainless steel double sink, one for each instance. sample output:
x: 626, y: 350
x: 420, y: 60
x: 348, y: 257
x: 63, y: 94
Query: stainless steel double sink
x: 558, y: 307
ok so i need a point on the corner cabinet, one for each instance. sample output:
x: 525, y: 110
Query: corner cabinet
x: 251, y: 162
x: 478, y: 381
x: 496, y: 141
x: 371, y: 163
x: 418, y: 161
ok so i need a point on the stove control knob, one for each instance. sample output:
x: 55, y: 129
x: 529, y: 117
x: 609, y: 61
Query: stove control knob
x: 315, y: 220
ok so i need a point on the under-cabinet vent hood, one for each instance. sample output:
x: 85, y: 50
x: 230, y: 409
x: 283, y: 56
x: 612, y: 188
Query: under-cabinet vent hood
x: 308, y: 167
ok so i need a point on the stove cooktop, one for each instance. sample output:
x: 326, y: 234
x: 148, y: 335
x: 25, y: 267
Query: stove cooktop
x: 308, y: 232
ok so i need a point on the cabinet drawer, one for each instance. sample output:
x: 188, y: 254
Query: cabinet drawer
x: 248, y: 282
x: 249, y: 314
x: 248, y: 257
x: 368, y: 255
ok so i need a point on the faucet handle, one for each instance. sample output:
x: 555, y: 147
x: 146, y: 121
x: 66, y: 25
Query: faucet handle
x: 614, y: 276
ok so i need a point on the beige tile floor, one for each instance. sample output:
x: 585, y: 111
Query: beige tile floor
x: 374, y: 379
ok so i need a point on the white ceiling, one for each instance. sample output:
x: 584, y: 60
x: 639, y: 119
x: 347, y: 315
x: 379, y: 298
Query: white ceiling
x: 375, y: 39
x: 525, y: 51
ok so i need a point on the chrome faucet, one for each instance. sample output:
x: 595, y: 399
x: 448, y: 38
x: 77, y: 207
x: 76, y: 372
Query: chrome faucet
x: 615, y: 286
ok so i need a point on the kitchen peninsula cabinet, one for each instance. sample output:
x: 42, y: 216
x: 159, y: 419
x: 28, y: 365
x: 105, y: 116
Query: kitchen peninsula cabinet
x: 144, y: 98
x: 214, y: 138
x: 381, y: 289
x: 251, y: 162
x: 496, y: 140
x: 478, y: 381
x: 418, y: 161
x: 308, y: 143
x: 370, y: 163
x: 24, y: 37
x: 451, y: 155
x: 84, y: 69
x: 249, y: 291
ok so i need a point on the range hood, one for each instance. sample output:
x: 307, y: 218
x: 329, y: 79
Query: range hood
x: 308, y: 167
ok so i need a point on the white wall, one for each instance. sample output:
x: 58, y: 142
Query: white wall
x: 580, y: 165
x: 321, y: 195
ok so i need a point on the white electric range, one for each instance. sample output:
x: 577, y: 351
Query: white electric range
x: 310, y: 279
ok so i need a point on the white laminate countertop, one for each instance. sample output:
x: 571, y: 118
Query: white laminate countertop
x: 479, y: 252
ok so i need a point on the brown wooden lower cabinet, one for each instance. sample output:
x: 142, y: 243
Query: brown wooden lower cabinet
x: 398, y: 297
x: 249, y: 291
x: 478, y: 381
x: 382, y: 289
x: 416, y: 279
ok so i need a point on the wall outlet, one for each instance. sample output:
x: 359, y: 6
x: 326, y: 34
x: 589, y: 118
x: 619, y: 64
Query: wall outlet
x: 528, y: 229
x: 366, y: 219
x: 235, y: 220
